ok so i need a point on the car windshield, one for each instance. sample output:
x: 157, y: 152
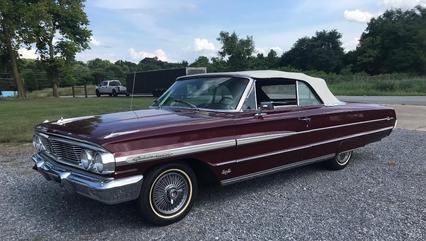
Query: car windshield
x: 218, y: 93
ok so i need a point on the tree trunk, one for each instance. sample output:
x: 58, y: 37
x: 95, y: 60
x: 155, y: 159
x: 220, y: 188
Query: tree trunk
x: 55, y: 87
x: 13, y: 64
x: 54, y: 75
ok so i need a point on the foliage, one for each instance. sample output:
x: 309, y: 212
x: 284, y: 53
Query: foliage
x: 237, y: 52
x: 321, y: 52
x: 201, y: 61
x: 61, y: 32
x: 394, y: 42
x: 15, y: 19
x: 148, y: 64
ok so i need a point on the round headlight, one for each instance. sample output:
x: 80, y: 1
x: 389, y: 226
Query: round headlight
x: 98, y: 166
x: 86, y: 159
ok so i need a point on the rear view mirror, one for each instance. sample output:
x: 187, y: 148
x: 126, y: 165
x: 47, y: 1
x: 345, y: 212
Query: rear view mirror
x: 266, y: 105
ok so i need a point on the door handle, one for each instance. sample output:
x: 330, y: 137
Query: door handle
x: 306, y: 119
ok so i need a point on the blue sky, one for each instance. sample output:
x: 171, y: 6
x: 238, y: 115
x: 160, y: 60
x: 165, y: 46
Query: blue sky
x: 176, y: 30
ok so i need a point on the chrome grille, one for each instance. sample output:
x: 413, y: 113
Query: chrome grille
x: 62, y: 150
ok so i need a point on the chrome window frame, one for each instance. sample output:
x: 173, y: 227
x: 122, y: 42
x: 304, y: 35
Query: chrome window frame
x: 297, y: 94
x: 313, y: 92
x: 240, y: 104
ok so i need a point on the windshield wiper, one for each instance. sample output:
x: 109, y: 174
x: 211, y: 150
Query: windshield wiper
x: 186, y: 103
x: 180, y: 101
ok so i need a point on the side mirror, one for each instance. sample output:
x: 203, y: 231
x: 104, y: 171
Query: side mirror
x: 263, y: 106
x: 266, y: 105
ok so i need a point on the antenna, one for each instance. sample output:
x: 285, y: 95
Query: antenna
x: 133, y: 91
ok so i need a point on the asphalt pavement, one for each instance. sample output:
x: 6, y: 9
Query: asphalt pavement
x: 379, y: 196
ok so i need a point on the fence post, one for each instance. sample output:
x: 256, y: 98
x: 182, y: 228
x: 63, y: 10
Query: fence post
x: 73, y: 91
x: 85, y: 90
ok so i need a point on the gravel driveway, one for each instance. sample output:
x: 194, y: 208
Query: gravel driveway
x: 381, y: 195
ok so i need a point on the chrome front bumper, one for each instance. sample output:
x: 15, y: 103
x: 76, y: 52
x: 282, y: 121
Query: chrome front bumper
x: 106, y: 190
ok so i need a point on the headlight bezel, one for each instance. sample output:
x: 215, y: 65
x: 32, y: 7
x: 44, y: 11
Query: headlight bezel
x: 99, y: 163
x: 108, y: 159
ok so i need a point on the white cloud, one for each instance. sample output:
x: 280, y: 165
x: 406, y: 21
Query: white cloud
x: 28, y: 53
x: 147, y: 6
x: 202, y: 44
x: 351, y: 44
x: 358, y: 15
x: 94, y: 42
x: 138, y: 55
x: 404, y: 4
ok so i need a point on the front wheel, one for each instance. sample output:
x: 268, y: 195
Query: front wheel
x: 340, y: 161
x: 167, y: 193
x: 98, y: 94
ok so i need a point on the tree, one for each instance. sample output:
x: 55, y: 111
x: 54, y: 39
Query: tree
x: 97, y: 67
x: 394, y: 42
x: 272, y: 59
x: 321, y: 52
x: 148, y: 64
x: 235, y: 51
x: 13, y: 33
x: 61, y: 33
x: 201, y: 61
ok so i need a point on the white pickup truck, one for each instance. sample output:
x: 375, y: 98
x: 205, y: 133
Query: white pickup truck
x: 111, y: 87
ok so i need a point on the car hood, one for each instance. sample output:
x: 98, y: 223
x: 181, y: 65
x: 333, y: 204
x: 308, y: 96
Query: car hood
x: 102, y: 129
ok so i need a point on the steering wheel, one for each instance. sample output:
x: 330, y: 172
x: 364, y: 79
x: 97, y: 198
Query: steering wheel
x: 225, y: 98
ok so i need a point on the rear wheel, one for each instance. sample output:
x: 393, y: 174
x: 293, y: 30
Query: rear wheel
x: 114, y: 93
x: 167, y: 193
x: 340, y: 161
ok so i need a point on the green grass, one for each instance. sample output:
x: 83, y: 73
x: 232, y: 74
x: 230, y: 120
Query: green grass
x: 18, y: 117
x: 382, y: 87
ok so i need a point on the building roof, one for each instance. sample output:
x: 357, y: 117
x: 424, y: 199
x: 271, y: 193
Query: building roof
x: 318, y: 84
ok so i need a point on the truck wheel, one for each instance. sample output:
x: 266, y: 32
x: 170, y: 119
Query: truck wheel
x: 114, y: 93
x: 167, y: 193
x: 98, y: 94
x: 340, y: 161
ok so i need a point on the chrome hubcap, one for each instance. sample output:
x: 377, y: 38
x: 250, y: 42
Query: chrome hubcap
x: 343, y: 157
x: 170, y: 193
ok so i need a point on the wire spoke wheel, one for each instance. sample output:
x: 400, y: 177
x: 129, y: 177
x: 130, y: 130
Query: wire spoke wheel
x: 343, y: 157
x: 170, y: 192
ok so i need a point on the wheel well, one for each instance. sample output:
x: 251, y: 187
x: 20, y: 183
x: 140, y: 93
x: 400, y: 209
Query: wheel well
x: 202, y: 170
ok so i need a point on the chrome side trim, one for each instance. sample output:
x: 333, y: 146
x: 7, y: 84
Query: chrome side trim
x: 303, y: 147
x: 249, y: 140
x: 227, y: 143
x: 275, y: 169
x: 254, y: 139
x: 175, y: 152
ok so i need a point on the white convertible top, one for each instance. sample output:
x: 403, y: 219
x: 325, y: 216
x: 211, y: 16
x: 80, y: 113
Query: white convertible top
x: 318, y: 84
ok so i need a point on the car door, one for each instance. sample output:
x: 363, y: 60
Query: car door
x: 319, y: 123
x: 103, y: 87
x: 267, y: 140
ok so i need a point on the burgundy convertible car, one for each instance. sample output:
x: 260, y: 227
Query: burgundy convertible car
x: 222, y: 127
